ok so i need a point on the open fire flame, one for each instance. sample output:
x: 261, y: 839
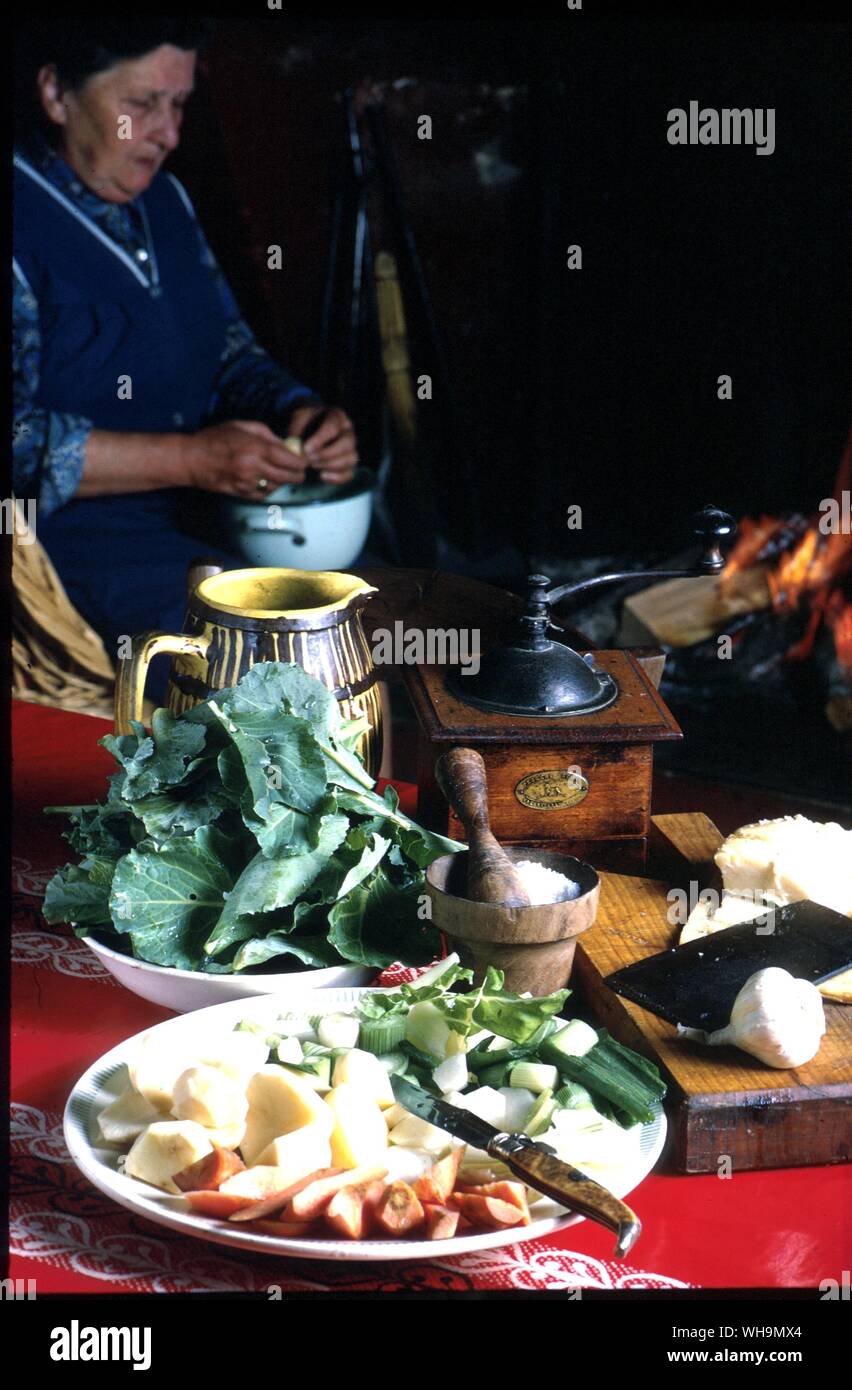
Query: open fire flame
x: 807, y: 563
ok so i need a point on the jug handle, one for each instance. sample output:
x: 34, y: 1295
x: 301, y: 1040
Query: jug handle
x: 133, y: 670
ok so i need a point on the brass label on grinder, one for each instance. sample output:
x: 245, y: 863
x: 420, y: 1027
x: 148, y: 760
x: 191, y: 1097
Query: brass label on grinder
x: 553, y: 789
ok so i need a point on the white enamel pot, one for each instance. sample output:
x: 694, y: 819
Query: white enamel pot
x: 309, y: 527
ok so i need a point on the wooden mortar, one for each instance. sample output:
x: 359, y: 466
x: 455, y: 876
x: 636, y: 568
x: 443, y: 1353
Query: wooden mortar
x: 533, y: 946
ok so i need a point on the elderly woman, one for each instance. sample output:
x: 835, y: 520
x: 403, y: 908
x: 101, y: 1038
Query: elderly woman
x: 135, y: 376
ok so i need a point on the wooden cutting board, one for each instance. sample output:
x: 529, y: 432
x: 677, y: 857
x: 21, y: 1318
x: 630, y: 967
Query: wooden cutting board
x: 727, y: 1113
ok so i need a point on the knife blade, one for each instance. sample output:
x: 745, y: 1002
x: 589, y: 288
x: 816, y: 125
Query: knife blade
x: 696, y: 984
x: 534, y: 1163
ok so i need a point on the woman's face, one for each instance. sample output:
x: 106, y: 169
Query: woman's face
x: 119, y: 127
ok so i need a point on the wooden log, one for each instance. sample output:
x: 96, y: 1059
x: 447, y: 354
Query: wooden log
x: 681, y: 612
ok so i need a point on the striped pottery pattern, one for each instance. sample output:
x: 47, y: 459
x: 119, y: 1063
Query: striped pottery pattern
x: 337, y: 655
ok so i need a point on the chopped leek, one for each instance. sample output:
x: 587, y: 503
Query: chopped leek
x: 426, y: 1028
x: 611, y: 1071
x: 485, y: 1102
x: 538, y: 1119
x: 289, y: 1050
x: 571, y: 1096
x: 394, y: 1062
x: 423, y: 1060
x: 574, y: 1040
x: 534, y: 1076
x: 452, y: 1074
x: 338, y: 1030
x: 519, y: 1104
x: 435, y: 972
x: 497, y: 1075
x: 381, y: 1034
x: 490, y: 1055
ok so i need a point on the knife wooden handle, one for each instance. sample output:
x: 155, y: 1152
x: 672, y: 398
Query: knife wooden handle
x: 569, y: 1187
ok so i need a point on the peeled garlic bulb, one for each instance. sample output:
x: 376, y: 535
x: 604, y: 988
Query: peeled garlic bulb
x: 776, y: 1018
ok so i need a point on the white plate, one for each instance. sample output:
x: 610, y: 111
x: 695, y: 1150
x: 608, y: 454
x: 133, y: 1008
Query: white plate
x: 186, y: 990
x: 98, y: 1161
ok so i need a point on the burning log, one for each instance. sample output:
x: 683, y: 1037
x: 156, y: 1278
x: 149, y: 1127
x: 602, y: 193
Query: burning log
x: 761, y: 542
x: 838, y: 706
x: 798, y: 568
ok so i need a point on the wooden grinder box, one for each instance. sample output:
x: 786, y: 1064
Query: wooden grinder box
x: 583, y: 782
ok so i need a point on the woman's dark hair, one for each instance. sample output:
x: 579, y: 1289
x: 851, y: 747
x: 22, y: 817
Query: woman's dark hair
x: 82, y: 47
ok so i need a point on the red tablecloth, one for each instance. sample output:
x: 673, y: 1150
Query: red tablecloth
x: 755, y: 1230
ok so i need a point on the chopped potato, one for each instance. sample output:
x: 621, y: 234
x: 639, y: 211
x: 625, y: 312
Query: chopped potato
x: 124, y: 1120
x: 165, y: 1148
x: 364, y: 1071
x: 360, y: 1136
x: 210, y: 1097
x: 279, y: 1102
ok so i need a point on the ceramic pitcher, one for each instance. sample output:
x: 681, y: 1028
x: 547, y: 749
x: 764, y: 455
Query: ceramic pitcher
x: 239, y: 617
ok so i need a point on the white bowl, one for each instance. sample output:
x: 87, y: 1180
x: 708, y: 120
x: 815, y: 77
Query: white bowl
x: 314, y: 527
x: 187, y: 990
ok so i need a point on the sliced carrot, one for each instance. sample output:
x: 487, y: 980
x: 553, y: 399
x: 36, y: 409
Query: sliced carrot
x: 436, y: 1185
x: 277, y: 1200
x: 373, y: 1194
x: 512, y: 1192
x: 313, y: 1200
x: 345, y: 1212
x: 487, y: 1211
x: 399, y: 1210
x: 221, y: 1204
x: 209, y: 1172
x: 441, y: 1222
x: 294, y: 1230
x: 352, y: 1210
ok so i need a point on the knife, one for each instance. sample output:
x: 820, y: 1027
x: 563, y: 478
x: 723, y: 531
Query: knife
x: 535, y: 1164
x: 697, y: 984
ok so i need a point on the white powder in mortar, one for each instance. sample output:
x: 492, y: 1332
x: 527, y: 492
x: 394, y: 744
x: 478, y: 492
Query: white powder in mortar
x: 545, y: 885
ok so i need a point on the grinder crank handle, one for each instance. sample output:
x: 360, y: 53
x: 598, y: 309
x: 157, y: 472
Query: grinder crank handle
x: 711, y: 525
x: 491, y: 876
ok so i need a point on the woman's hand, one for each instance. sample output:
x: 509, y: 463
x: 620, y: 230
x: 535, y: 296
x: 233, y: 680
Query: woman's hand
x: 331, y: 446
x: 236, y: 457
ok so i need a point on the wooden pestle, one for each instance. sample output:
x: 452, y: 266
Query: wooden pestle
x: 491, y: 875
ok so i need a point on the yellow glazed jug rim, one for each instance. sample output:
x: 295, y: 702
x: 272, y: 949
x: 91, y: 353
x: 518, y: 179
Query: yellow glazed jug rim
x: 281, y: 593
